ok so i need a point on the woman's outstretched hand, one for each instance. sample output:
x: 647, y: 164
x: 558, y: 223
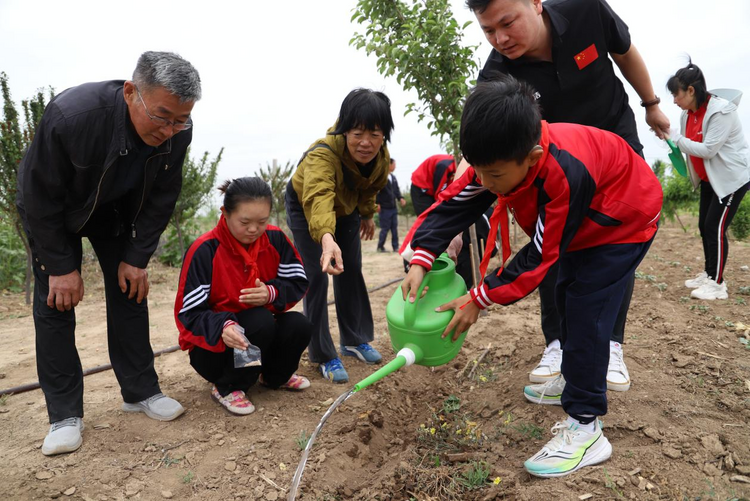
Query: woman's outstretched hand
x: 367, y: 229
x: 331, y: 261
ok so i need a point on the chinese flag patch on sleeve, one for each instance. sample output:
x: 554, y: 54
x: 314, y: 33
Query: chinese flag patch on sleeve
x: 586, y: 57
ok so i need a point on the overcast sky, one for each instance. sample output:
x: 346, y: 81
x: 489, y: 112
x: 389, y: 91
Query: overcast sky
x: 274, y: 73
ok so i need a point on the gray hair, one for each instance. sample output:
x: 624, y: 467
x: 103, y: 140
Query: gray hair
x: 168, y: 70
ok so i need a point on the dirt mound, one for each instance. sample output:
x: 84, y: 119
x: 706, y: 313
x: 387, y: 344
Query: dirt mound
x: 460, y: 431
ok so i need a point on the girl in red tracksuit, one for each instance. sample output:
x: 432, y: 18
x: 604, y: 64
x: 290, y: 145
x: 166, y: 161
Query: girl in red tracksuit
x: 236, y: 285
x: 587, y: 200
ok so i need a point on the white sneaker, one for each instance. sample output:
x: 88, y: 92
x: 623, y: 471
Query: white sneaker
x: 549, y: 366
x: 696, y: 282
x: 618, y: 378
x: 572, y: 448
x: 64, y: 436
x: 710, y: 291
x: 159, y: 407
x: 548, y: 393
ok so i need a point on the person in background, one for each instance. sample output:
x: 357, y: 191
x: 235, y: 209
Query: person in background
x: 430, y: 179
x: 237, y: 283
x: 330, y: 203
x: 386, y: 207
x: 570, y: 188
x: 562, y: 48
x: 718, y: 160
x: 105, y: 164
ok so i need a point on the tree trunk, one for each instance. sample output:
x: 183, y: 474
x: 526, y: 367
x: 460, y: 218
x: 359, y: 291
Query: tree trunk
x: 25, y: 240
x: 178, y: 227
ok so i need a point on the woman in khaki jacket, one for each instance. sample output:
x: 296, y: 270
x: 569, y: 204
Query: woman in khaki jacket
x: 330, y: 202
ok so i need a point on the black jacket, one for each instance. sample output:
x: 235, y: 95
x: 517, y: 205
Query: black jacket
x: 63, y: 177
x: 387, y: 197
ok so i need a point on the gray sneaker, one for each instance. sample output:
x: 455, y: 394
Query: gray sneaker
x: 64, y: 436
x: 159, y: 407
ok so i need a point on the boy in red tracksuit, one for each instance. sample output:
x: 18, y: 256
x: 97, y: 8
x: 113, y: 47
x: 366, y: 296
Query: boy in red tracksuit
x: 587, y: 200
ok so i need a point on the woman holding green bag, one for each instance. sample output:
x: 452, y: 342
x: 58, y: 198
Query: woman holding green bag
x: 718, y: 161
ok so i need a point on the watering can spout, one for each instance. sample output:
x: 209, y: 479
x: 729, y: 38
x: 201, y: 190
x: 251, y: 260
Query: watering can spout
x: 406, y: 356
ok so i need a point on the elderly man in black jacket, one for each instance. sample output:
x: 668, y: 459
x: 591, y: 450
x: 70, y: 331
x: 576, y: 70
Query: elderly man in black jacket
x: 105, y: 164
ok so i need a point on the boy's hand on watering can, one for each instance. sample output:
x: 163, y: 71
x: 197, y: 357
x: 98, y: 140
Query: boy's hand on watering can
x: 467, y: 313
x: 413, y: 280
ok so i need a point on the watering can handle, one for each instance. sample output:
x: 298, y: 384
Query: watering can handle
x: 410, y: 309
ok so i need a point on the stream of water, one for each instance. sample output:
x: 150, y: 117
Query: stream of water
x: 301, y: 467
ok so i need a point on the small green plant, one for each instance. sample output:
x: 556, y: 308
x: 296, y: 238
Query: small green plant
x: 529, y: 430
x: 661, y: 286
x: 674, y: 264
x: 643, y: 276
x: 699, y: 307
x: 729, y: 324
x: 476, y: 476
x: 741, y: 301
x: 188, y: 477
x: 745, y: 291
x: 302, y: 439
x: 685, y: 299
x: 451, y: 404
x: 168, y: 461
x: 4, y: 398
x: 610, y: 484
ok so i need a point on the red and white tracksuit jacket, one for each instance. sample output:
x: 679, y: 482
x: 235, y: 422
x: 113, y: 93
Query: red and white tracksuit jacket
x: 588, y: 189
x: 214, y: 270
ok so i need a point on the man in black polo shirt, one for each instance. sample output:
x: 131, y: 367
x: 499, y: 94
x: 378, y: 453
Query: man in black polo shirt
x: 561, y: 48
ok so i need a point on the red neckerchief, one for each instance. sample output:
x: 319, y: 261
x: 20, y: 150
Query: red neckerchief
x: 500, y: 214
x: 249, y: 256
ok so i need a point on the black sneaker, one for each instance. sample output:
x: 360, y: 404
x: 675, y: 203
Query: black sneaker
x: 381, y: 249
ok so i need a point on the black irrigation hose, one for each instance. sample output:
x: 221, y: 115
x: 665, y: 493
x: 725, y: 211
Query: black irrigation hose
x: 101, y: 368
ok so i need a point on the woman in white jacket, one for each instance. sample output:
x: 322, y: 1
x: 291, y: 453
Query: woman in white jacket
x: 717, y: 159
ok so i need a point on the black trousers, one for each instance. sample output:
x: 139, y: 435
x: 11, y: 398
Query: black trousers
x: 352, y: 301
x: 130, y: 353
x: 281, y: 338
x: 591, y: 288
x: 551, y: 320
x: 714, y: 217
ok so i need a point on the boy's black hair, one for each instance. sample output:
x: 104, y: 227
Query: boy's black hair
x: 501, y: 121
x: 244, y: 189
x: 368, y: 109
x: 688, y: 76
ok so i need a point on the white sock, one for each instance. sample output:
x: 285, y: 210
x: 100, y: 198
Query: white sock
x: 614, y: 345
x: 589, y: 427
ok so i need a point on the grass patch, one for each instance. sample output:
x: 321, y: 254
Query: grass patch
x: 301, y: 440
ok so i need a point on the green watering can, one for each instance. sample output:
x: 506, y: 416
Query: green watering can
x: 415, y: 328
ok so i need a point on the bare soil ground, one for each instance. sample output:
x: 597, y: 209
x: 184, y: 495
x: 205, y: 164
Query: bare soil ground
x: 681, y: 432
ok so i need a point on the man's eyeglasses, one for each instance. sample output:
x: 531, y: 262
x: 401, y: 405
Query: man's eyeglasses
x: 163, y: 122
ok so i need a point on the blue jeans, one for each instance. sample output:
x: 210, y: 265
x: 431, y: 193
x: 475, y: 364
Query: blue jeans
x: 388, y: 222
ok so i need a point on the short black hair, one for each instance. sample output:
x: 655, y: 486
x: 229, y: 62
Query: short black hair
x: 393, y: 160
x: 368, y: 109
x: 478, y: 6
x: 689, y: 76
x: 244, y: 189
x: 501, y: 121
